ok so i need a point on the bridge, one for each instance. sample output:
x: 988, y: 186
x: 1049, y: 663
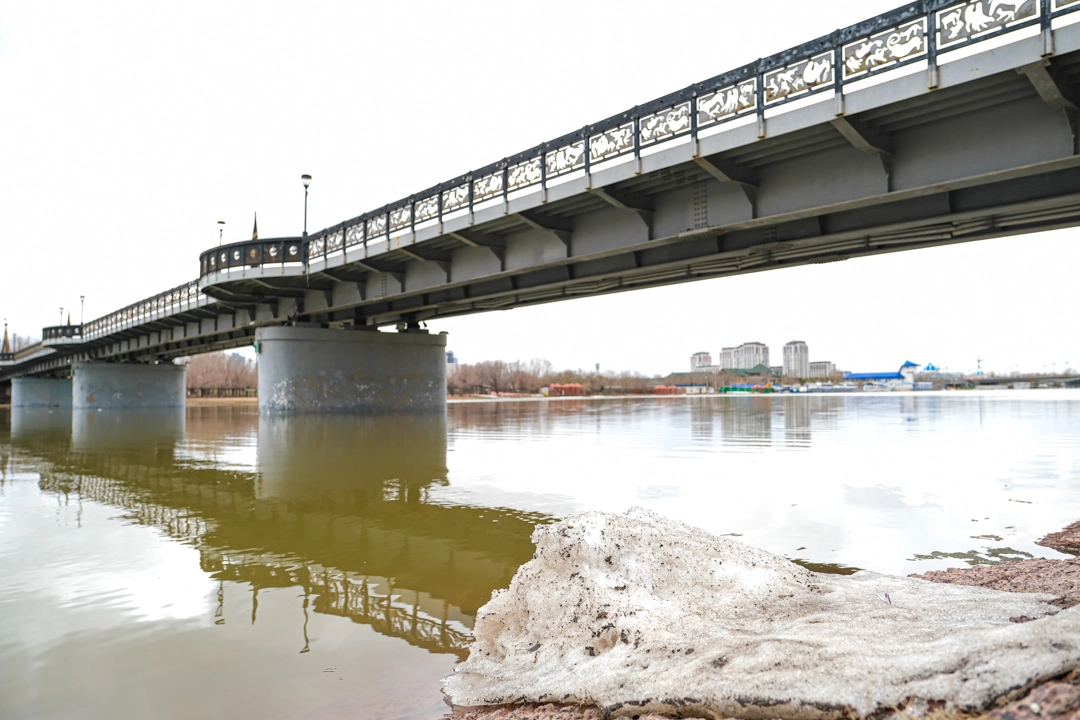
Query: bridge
x: 941, y: 122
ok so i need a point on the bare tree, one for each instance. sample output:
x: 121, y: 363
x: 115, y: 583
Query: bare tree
x: 21, y: 342
x: 221, y: 370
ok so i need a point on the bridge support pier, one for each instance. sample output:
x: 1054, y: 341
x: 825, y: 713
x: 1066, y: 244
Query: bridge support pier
x: 41, y: 393
x: 113, y: 386
x: 315, y: 370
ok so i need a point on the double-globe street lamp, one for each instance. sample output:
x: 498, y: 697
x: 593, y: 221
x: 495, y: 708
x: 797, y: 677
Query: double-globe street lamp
x: 306, y: 179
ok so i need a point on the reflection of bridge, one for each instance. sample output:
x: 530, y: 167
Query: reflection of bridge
x: 1069, y: 380
x: 944, y: 121
x: 360, y: 540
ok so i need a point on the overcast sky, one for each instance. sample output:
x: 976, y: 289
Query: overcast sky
x: 128, y: 130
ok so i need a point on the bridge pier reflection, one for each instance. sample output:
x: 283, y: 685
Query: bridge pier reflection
x: 344, y: 508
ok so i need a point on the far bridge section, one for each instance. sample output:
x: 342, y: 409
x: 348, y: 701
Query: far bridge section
x: 940, y: 122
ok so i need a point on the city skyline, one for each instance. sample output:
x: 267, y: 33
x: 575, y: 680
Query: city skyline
x: 125, y: 189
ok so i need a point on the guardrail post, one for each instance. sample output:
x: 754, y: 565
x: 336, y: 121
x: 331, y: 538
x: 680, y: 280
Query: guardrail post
x: 759, y: 98
x: 543, y: 174
x: 506, y: 186
x: 472, y: 197
x: 931, y: 47
x: 1046, y: 20
x: 438, y: 204
x: 588, y: 159
x: 637, y: 142
x: 838, y: 76
x: 694, y: 124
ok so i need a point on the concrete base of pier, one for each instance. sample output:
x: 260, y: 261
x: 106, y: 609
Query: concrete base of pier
x: 315, y: 370
x: 113, y: 386
x: 41, y: 393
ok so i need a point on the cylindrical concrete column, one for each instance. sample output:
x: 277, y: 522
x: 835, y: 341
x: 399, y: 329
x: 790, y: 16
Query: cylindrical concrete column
x: 128, y: 385
x: 316, y: 370
x: 41, y: 393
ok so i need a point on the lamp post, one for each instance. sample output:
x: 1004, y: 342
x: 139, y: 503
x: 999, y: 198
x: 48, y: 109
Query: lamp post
x: 82, y: 307
x: 61, y: 316
x: 220, y: 231
x: 306, y: 179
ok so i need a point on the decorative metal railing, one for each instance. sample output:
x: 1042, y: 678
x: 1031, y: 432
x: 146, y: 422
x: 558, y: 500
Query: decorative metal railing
x: 254, y: 253
x: 161, y: 305
x: 922, y: 31
x: 60, y: 332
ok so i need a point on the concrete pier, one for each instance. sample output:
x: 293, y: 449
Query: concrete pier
x: 112, y: 386
x: 314, y: 370
x: 41, y: 393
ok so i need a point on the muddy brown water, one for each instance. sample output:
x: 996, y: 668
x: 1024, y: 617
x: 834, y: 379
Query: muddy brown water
x: 212, y: 563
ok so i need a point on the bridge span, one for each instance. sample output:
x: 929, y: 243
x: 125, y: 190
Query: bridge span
x: 940, y: 122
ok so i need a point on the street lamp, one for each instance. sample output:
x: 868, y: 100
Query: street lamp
x: 82, y: 307
x: 220, y: 231
x: 61, y: 316
x: 306, y: 179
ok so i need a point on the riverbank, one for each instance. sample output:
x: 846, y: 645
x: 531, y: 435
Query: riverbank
x: 207, y: 401
x: 744, y: 607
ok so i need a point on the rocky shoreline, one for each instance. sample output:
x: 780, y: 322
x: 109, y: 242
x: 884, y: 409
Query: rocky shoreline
x: 1013, y: 683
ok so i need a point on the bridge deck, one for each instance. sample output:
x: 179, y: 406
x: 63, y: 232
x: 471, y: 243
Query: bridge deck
x: 940, y: 122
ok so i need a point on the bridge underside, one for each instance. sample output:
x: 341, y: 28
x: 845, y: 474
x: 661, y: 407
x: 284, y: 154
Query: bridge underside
x: 894, y: 164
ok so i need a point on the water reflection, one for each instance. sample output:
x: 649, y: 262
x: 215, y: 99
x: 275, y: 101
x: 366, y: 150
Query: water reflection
x: 338, y: 507
x: 247, y: 555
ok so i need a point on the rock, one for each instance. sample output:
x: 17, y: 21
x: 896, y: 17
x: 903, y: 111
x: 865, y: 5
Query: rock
x: 1066, y: 541
x: 1060, y: 578
x: 1052, y: 701
x: 638, y: 614
x: 550, y: 711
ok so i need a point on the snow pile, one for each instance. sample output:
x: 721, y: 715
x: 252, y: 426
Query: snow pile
x: 640, y: 614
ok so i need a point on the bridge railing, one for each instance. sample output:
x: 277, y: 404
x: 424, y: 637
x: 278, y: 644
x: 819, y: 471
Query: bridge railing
x: 253, y: 253
x: 183, y: 297
x: 61, y: 332
x: 924, y: 31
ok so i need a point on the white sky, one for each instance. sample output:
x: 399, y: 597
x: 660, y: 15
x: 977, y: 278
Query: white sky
x: 128, y: 130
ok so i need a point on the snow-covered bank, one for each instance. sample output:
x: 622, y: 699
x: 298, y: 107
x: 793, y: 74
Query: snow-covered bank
x: 640, y: 614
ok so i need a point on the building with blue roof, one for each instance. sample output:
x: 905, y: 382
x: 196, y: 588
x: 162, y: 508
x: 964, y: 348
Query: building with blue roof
x: 902, y: 379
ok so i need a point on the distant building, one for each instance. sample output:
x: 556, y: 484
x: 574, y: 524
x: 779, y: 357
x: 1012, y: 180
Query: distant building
x: 727, y: 358
x: 796, y: 359
x: 700, y: 360
x: 750, y: 355
x: 776, y: 370
x: 902, y: 379
x: 451, y: 363
x: 822, y: 369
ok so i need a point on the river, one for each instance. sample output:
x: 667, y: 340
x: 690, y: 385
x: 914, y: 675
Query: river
x: 212, y: 563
